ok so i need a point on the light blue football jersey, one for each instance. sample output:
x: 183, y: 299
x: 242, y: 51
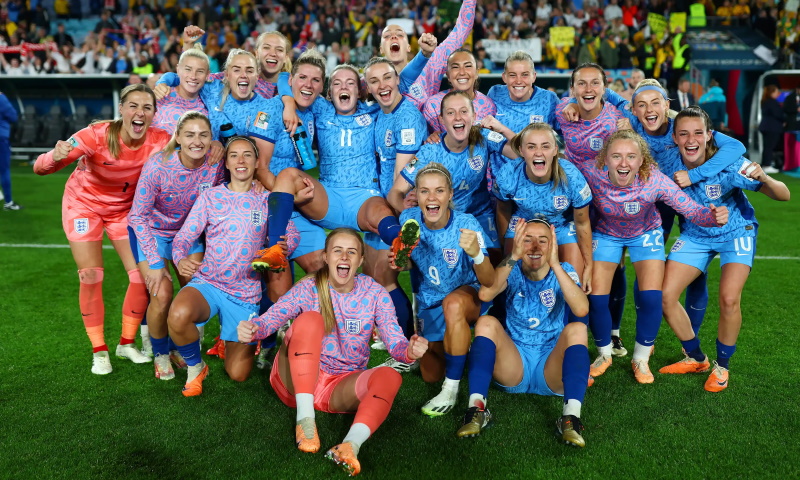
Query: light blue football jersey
x: 470, y: 190
x: 536, y: 311
x: 401, y: 131
x: 269, y: 126
x: 441, y: 263
x: 540, y: 200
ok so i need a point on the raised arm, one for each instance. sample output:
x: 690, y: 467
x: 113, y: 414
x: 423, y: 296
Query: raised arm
x: 81, y: 143
x: 503, y: 270
x: 730, y: 150
x: 573, y: 293
x: 473, y: 246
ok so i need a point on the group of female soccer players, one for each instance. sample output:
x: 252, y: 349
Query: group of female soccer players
x: 502, y: 232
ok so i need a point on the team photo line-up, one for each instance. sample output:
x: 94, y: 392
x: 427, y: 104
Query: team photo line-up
x: 515, y: 247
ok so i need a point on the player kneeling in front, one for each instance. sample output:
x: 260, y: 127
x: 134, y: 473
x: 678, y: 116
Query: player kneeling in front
x: 536, y: 353
x: 322, y: 364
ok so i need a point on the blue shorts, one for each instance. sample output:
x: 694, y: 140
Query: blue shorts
x: 648, y: 246
x: 164, y: 246
x: 343, y: 206
x: 431, y: 320
x: 489, y: 227
x: 231, y: 310
x: 564, y: 234
x: 699, y: 254
x: 533, y: 381
x: 374, y: 240
x: 312, y: 237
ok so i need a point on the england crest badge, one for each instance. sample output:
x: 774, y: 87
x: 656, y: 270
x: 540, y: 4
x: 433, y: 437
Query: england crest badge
x: 596, y: 143
x: 476, y: 163
x: 713, y: 192
x: 450, y: 256
x: 353, y: 326
x: 632, y: 208
x: 560, y: 202
x: 548, y: 297
x: 81, y: 225
x: 256, y: 218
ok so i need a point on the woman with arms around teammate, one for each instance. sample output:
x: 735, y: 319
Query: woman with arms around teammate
x: 535, y: 351
x: 322, y: 364
x: 451, y: 261
x: 625, y: 186
x: 97, y: 197
x: 735, y: 243
x: 233, y: 217
x: 170, y: 183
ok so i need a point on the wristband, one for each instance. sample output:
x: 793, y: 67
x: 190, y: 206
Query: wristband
x: 479, y: 258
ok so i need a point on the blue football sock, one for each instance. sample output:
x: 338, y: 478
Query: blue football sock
x: 170, y: 343
x: 190, y: 353
x: 692, y: 348
x: 388, y: 229
x: 281, y: 206
x: 600, y: 319
x: 697, y: 301
x: 482, y: 355
x: 454, y: 366
x: 724, y: 353
x: 616, y: 302
x: 144, y: 319
x: 648, y: 317
x: 636, y: 298
x: 402, y: 307
x: 160, y: 345
x: 575, y: 372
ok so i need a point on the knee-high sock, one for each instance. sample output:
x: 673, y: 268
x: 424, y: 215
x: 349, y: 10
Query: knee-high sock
x: 571, y: 317
x: 724, y: 353
x: 648, y: 317
x: 160, y: 345
x: 93, y: 311
x: 388, y: 229
x: 697, y: 301
x: 600, y: 320
x: 454, y: 366
x: 190, y: 353
x: 376, y: 396
x: 482, y: 356
x: 616, y: 301
x: 281, y: 206
x: 574, y: 373
x: 133, y: 307
x: 305, y: 348
x: 402, y: 307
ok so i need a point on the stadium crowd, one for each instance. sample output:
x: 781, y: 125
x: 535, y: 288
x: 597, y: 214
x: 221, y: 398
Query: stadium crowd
x: 509, y: 239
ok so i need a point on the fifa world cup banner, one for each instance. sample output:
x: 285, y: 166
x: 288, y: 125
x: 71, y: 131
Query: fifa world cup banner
x: 499, y: 50
x: 562, y: 36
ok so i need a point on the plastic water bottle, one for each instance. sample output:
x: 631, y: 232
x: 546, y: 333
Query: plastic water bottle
x: 226, y: 131
x: 302, y: 147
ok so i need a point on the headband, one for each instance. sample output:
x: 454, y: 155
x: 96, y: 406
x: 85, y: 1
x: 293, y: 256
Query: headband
x: 538, y: 220
x: 649, y: 87
x: 439, y: 170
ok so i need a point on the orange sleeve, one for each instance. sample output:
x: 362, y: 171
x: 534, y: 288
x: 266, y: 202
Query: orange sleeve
x: 85, y: 142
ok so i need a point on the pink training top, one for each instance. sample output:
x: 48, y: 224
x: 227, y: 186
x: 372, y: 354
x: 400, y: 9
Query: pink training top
x: 584, y: 139
x: 165, y: 195
x: 172, y: 106
x: 263, y: 87
x: 346, y: 348
x: 101, y: 182
x: 430, y: 81
x: 236, y: 226
x: 433, y: 106
x: 628, y: 212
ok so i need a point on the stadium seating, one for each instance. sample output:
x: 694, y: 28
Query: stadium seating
x: 29, y: 127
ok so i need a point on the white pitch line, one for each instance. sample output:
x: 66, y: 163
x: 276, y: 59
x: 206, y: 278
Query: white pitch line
x: 109, y: 247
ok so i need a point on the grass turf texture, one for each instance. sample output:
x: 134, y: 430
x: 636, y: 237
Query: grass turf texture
x: 60, y: 421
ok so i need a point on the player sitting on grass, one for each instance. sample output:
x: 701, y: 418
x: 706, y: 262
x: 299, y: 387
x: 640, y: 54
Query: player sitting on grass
x: 536, y: 353
x: 697, y: 246
x: 451, y: 260
x: 322, y: 364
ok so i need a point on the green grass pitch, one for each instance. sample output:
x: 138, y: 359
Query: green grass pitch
x: 60, y: 421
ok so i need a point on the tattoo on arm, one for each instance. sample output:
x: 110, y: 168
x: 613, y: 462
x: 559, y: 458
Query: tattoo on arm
x: 507, y: 262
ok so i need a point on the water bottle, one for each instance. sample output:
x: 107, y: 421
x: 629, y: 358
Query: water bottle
x: 302, y: 147
x: 226, y: 131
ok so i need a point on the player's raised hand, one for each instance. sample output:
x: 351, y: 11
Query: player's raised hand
x: 755, y: 172
x: 491, y: 123
x: 161, y: 90
x: 61, y: 150
x: 624, y: 124
x: 191, y: 34
x: 553, y: 247
x: 246, y: 331
x: 435, y: 137
x: 469, y: 242
x: 681, y: 177
x: 417, y: 346
x: 519, y: 247
x: 187, y: 267
x: 571, y: 112
x: 216, y: 152
x: 427, y: 43
x: 720, y: 213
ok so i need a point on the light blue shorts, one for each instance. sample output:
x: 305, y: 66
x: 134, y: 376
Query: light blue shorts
x: 164, y: 246
x: 431, y: 320
x: 489, y: 227
x: 564, y: 234
x: 312, y: 237
x: 374, y: 240
x: 533, y: 381
x: 343, y: 206
x: 648, y: 246
x: 699, y: 255
x: 231, y: 310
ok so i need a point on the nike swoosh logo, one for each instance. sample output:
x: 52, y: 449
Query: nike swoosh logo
x: 655, y: 249
x: 500, y: 115
x: 136, y: 313
x: 722, y: 384
x: 107, y: 163
x: 380, y: 398
x: 85, y: 314
x: 297, y: 354
x: 646, y: 342
x: 520, y: 294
